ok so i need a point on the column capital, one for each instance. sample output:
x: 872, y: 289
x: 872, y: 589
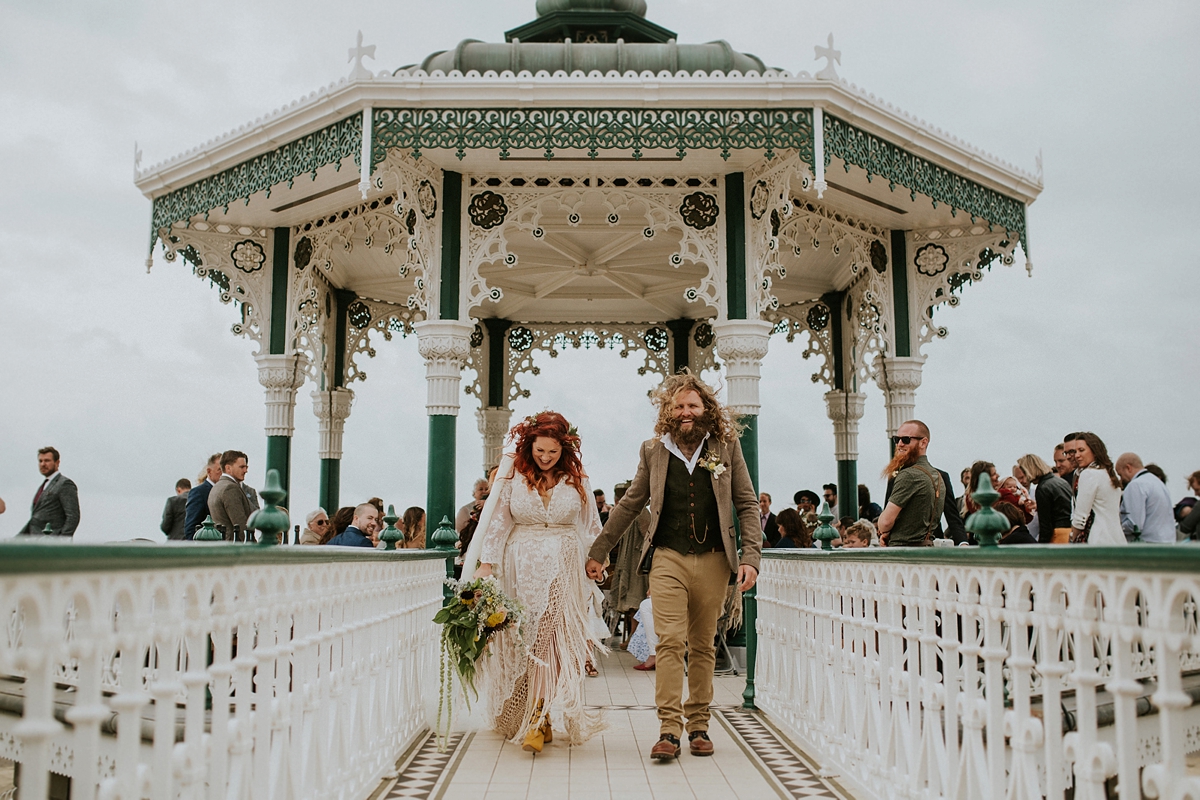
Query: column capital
x: 445, y: 344
x: 493, y: 427
x: 331, y: 408
x: 845, y: 409
x: 899, y: 377
x: 281, y: 374
x: 742, y: 344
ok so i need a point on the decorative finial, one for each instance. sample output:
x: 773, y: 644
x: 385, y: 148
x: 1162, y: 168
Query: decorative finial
x: 137, y: 159
x: 987, y: 524
x: 825, y: 534
x: 270, y: 520
x: 1038, y: 161
x: 830, y: 55
x: 357, y: 54
x: 390, y: 535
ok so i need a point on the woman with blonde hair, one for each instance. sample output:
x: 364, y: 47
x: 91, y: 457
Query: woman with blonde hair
x: 533, y: 537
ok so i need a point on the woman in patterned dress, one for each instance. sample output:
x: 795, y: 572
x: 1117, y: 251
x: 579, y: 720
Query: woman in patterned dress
x: 533, y: 537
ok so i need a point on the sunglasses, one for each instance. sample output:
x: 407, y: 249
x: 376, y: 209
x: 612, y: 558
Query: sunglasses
x: 320, y: 522
x: 906, y: 439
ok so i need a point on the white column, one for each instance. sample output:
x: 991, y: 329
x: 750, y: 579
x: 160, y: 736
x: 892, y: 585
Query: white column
x: 899, y: 378
x: 493, y: 426
x: 332, y: 409
x: 281, y: 376
x: 445, y: 345
x: 845, y: 409
x: 742, y: 345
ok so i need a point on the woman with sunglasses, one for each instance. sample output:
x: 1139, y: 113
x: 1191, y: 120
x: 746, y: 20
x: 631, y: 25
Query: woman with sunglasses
x: 316, y: 526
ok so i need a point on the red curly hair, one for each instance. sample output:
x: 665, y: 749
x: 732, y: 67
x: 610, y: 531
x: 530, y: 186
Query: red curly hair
x: 554, y: 426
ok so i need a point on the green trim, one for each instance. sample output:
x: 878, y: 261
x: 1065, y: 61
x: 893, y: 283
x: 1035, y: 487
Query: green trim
x: 331, y: 484
x: 279, y: 457
x: 559, y: 25
x: 440, y: 491
x: 847, y: 483
x: 900, y: 294
x: 735, y: 244
x: 21, y: 557
x: 279, y: 291
x: 749, y: 440
x: 879, y: 157
x: 452, y: 186
x: 1130, y: 558
x: 681, y: 337
x: 284, y: 164
x: 591, y: 130
x: 343, y: 298
x: 496, y: 328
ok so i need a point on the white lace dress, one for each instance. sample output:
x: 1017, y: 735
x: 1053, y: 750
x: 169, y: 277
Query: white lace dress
x: 537, y: 552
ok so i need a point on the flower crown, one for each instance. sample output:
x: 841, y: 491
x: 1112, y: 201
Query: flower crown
x: 531, y: 421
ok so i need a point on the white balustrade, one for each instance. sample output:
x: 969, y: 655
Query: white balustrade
x: 1008, y: 674
x: 246, y: 672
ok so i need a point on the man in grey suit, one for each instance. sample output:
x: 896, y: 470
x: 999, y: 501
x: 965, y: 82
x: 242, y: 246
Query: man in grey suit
x: 231, y: 502
x: 175, y: 510
x: 57, y: 500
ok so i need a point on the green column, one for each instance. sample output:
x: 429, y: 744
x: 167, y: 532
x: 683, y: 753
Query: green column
x: 329, y: 489
x: 331, y: 484
x: 900, y: 294
x: 279, y: 448
x: 847, y: 483
x: 439, y: 501
x: 681, y: 339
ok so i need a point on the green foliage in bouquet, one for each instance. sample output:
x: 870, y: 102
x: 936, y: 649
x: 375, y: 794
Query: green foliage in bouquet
x: 477, y: 611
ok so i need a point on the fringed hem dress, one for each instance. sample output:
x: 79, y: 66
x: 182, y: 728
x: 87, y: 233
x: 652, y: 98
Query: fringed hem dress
x: 537, y: 552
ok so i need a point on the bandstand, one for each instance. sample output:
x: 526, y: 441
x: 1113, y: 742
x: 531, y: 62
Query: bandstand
x: 590, y: 181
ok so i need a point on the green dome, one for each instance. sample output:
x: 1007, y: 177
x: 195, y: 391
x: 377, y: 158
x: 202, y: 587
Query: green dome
x: 591, y: 35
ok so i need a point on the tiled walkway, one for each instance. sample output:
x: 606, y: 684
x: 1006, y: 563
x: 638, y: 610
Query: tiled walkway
x: 751, y: 761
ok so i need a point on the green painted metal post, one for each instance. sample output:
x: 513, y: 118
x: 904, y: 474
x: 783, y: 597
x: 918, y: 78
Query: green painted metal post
x: 279, y: 448
x: 847, y: 489
x: 331, y: 484
x: 330, y: 487
x: 279, y: 459
x: 900, y: 294
x: 442, y: 441
x: 681, y: 338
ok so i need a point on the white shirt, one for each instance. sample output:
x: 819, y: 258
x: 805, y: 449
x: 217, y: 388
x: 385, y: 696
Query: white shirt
x: 1098, y: 495
x: 50, y: 477
x: 673, y: 448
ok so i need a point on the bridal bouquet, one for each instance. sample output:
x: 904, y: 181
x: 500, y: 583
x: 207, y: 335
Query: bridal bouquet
x: 477, y: 612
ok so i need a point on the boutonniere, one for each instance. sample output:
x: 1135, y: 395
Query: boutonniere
x: 712, y: 462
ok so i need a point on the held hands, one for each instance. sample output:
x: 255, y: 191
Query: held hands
x: 746, y: 578
x: 484, y: 571
x: 594, y: 569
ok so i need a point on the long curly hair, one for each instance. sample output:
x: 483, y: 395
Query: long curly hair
x: 1100, y: 453
x: 722, y: 421
x: 554, y: 426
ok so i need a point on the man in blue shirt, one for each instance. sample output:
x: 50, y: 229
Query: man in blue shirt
x: 361, y: 532
x: 1146, y: 502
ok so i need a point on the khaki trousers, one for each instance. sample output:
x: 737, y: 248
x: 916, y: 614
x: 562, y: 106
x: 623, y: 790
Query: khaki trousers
x: 688, y: 593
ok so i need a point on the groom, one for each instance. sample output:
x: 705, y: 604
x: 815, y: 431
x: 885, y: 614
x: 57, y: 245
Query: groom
x: 693, y: 475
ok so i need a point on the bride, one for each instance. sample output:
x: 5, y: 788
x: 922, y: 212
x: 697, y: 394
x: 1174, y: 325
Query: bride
x: 533, y: 536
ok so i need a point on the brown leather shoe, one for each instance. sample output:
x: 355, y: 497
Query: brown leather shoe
x: 666, y: 748
x: 700, y: 744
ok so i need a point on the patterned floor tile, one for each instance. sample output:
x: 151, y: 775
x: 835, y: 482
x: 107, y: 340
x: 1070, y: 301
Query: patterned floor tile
x: 795, y: 776
x: 427, y: 771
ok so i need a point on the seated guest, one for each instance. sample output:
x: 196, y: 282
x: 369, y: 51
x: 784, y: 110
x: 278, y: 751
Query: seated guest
x: 413, y: 524
x: 1017, y: 532
x: 858, y: 534
x: 339, y: 522
x: 794, y: 533
x: 316, y: 526
x: 362, y: 528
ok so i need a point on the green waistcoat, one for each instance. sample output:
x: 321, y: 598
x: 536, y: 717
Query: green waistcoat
x: 690, y: 522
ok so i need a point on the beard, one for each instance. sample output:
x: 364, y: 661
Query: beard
x: 900, y: 461
x: 690, y: 438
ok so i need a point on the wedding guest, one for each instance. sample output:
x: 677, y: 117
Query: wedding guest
x: 1145, y: 504
x: 1099, y: 492
x: 338, y: 523
x: 965, y: 477
x: 1017, y: 532
x: 1188, y: 516
x: 479, y: 493
x: 866, y: 509
x: 1052, y: 496
x: 316, y: 525
x: 413, y: 524
x: 378, y: 503
x: 196, y: 508
x: 794, y: 533
x: 806, y: 501
x: 770, y: 527
x: 858, y: 534
x: 1156, y: 471
x: 361, y: 529
x: 829, y: 491
x: 175, y: 511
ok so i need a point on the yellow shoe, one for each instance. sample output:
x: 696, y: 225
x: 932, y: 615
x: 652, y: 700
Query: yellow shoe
x: 547, y: 734
x: 533, y: 741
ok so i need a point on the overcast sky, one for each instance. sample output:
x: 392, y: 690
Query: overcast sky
x: 136, y: 377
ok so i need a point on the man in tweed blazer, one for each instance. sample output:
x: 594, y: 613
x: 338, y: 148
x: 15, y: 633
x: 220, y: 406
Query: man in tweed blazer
x: 231, y: 502
x: 57, y: 500
x: 694, y: 477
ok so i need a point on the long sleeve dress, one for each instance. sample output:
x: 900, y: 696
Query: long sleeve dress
x: 537, y: 552
x: 1097, y: 495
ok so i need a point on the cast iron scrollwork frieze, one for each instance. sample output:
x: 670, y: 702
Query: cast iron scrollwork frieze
x: 699, y: 210
x: 248, y: 256
x: 487, y: 210
x: 931, y: 260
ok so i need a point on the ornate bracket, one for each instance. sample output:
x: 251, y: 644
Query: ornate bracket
x: 234, y: 259
x: 373, y: 316
x: 812, y: 318
x: 769, y: 190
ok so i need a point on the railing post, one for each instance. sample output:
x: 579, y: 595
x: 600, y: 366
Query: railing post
x: 443, y: 539
x: 269, y: 520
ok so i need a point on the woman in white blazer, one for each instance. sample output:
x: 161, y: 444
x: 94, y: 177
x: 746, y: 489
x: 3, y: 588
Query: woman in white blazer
x: 1098, y: 492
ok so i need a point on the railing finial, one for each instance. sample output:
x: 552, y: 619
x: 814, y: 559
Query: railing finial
x: 987, y: 524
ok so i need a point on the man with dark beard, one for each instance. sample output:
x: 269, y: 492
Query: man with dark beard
x: 690, y: 542
x: 918, y: 491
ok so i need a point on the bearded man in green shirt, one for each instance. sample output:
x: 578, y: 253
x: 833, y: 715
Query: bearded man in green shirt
x: 918, y: 492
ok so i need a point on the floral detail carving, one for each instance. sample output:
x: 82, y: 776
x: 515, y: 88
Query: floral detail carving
x: 303, y: 253
x: 879, y: 257
x: 487, y: 210
x: 759, y: 199
x: 699, y: 210
x: 427, y: 199
x: 817, y: 317
x: 358, y: 314
x: 931, y: 260
x: 703, y: 335
x: 656, y: 339
x: 248, y: 256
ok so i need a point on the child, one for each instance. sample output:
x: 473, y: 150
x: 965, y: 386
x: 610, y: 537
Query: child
x: 857, y: 534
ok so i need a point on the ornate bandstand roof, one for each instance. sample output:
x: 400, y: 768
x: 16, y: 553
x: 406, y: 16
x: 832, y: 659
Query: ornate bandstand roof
x: 594, y: 150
